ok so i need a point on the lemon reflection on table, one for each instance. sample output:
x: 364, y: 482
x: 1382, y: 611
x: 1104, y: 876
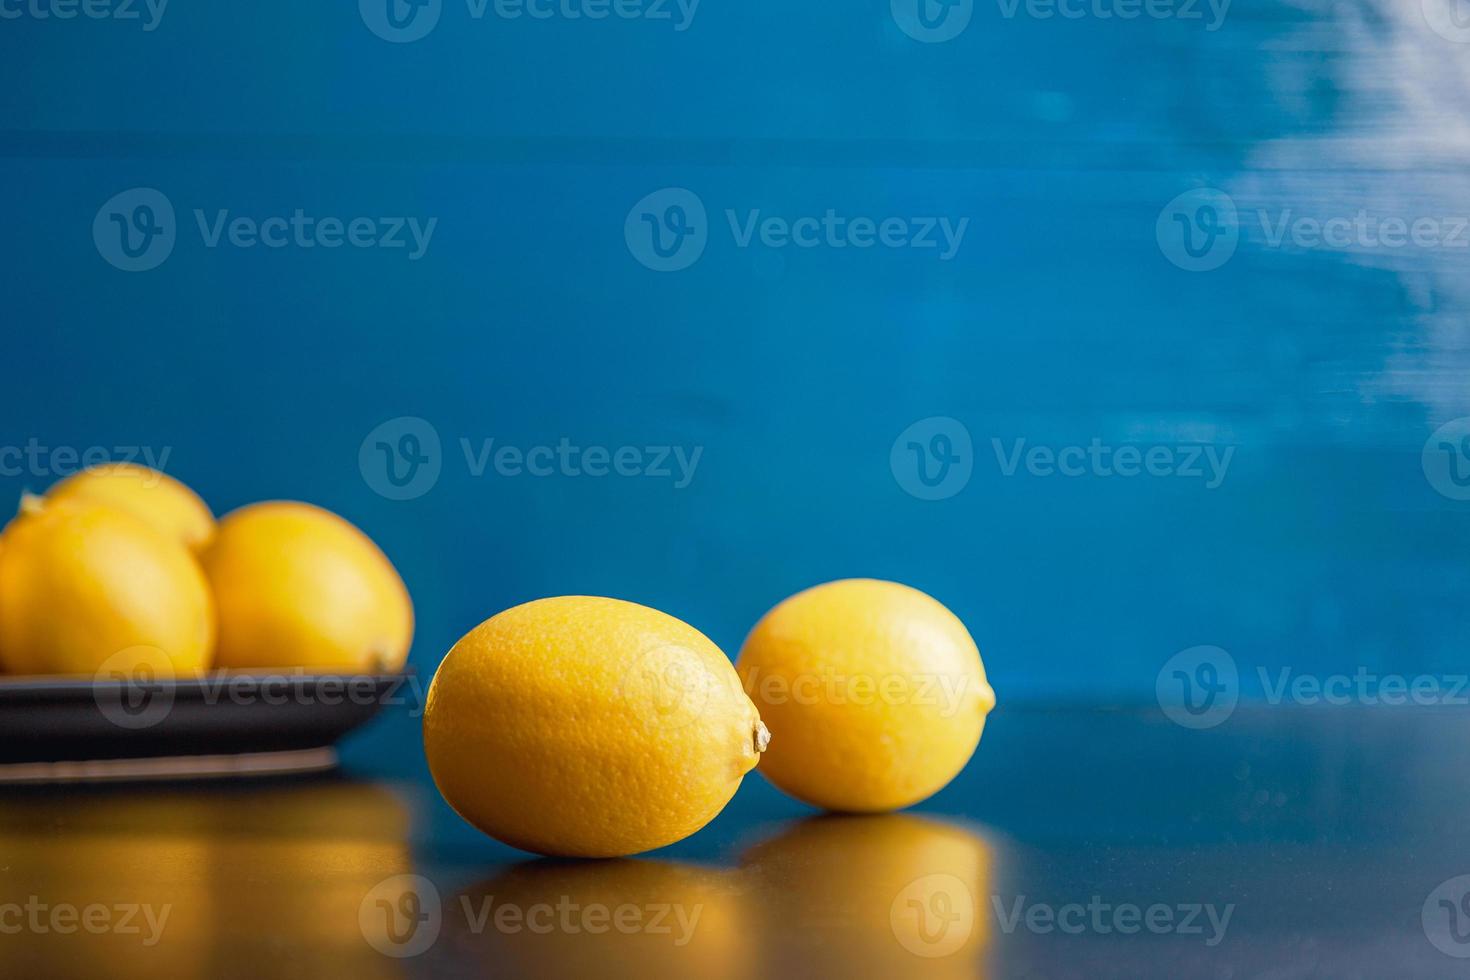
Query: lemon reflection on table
x: 854, y: 896
x: 619, y: 918
x: 893, y: 895
x: 316, y: 878
x: 217, y: 878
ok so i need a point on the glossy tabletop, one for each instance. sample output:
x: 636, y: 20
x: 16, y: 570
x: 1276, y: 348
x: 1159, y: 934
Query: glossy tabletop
x: 1081, y: 842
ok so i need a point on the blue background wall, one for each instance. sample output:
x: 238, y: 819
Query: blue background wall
x: 529, y: 319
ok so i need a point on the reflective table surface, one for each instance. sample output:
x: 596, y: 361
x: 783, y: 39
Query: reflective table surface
x: 1080, y: 842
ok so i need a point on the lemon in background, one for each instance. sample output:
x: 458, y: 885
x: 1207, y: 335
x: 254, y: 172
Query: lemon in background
x: 84, y: 584
x: 298, y: 586
x: 154, y: 497
x: 874, y: 693
x: 588, y: 727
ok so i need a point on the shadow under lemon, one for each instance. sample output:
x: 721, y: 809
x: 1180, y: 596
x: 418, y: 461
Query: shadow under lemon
x: 222, y: 880
x: 620, y: 918
x: 883, y: 896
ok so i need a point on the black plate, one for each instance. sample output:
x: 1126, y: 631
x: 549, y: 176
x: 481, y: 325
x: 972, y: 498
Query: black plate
x: 68, y: 720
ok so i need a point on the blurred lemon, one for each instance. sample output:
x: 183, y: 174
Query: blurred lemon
x: 83, y: 585
x: 297, y: 586
x: 890, y: 895
x: 156, y: 498
x: 607, y: 919
x: 588, y: 727
x: 873, y: 691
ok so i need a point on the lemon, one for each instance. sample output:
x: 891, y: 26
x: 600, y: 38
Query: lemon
x: 588, y: 727
x: 297, y: 586
x: 154, y: 497
x: 83, y: 586
x: 874, y: 691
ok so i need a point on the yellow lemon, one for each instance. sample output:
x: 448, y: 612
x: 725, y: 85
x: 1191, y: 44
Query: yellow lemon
x: 84, y: 586
x: 297, y: 586
x: 874, y: 692
x: 158, y: 499
x: 588, y: 727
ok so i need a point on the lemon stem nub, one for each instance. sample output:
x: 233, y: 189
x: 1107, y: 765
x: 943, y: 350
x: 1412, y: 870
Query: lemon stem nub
x: 762, y: 736
x: 31, y: 503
